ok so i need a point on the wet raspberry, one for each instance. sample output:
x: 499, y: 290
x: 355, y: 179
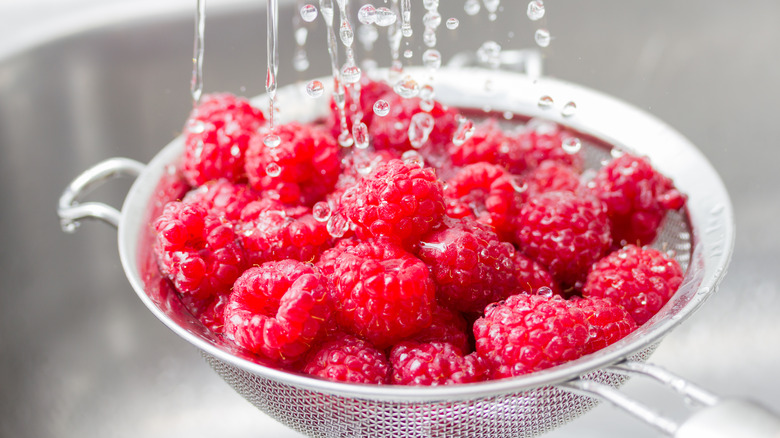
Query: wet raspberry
x: 216, y: 137
x: 448, y: 326
x: 383, y: 293
x: 278, y: 309
x: 483, y: 145
x: 196, y: 250
x: 528, y: 333
x: 222, y: 198
x: 551, y: 176
x: 532, y: 277
x: 433, y: 364
x: 348, y: 359
x: 307, y: 161
x: 370, y: 92
x: 398, y: 200
x: 277, y: 232
x: 609, y: 322
x: 637, y: 198
x: 539, y: 141
x: 484, y: 192
x: 641, y: 280
x: 564, y: 232
x: 469, y: 264
x: 209, y: 311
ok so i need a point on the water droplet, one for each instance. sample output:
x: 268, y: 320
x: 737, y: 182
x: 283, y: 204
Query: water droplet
x: 569, y: 109
x: 385, y: 17
x: 491, y: 6
x: 464, y: 131
x: 309, y: 13
x: 321, y: 211
x: 542, y: 37
x: 508, y: 115
x: 350, y: 73
x: 545, y: 292
x: 431, y: 58
x: 406, y: 30
x: 337, y: 225
x: 360, y: 134
x: 616, y: 153
x: 272, y: 140
x: 472, y: 7
x: 593, y: 331
x: 430, y: 4
x: 381, y: 108
x: 407, y: 87
x: 432, y: 19
x: 535, y: 10
x: 489, y: 53
x: 571, y: 145
x: 315, y: 88
x: 346, y: 34
x: 301, y: 34
x: 518, y: 184
x: 452, y: 23
x: 427, y: 93
x: 429, y: 37
x: 273, y: 169
x: 420, y: 128
x: 235, y: 151
x: 545, y: 102
x: 69, y: 226
x: 196, y: 126
x: 367, y: 14
x: 345, y: 139
x: 413, y: 157
x: 408, y: 54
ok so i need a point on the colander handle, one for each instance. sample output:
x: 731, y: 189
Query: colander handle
x: 71, y: 211
x: 716, y: 418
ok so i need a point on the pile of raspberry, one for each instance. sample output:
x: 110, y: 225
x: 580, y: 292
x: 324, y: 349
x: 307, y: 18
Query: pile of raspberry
x: 479, y: 252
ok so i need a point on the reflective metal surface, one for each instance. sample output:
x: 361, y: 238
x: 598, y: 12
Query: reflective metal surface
x: 81, y: 356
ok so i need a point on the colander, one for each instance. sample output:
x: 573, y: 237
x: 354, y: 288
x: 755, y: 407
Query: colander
x: 701, y: 237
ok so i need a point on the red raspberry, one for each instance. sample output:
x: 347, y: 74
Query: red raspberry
x: 307, y: 160
x: 469, y: 264
x: 196, y: 250
x: 384, y: 294
x: 276, y: 232
x: 641, y: 280
x: 532, y: 277
x: 637, y: 198
x: 398, y: 200
x: 348, y: 359
x: 551, y: 176
x: 433, y: 364
x: 564, y: 232
x: 448, y: 326
x: 528, y: 333
x: 278, y: 309
x: 209, y: 311
x: 222, y: 198
x: 216, y: 137
x: 485, y: 192
x: 609, y: 322
x: 483, y: 145
x: 392, y: 130
x: 537, y: 142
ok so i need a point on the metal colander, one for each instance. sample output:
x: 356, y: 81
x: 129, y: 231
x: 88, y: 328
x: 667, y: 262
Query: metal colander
x: 701, y: 239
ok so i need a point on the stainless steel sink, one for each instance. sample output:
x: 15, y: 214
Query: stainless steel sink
x: 81, y: 81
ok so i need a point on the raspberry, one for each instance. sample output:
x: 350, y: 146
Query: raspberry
x: 196, y: 250
x: 384, y: 294
x: 277, y: 309
x: 469, y: 264
x: 398, y: 200
x: 434, y: 363
x: 222, y: 198
x: 392, y: 130
x: 216, y: 137
x: 539, y: 141
x: 637, y: 198
x: 348, y: 359
x: 448, y: 326
x: 485, y: 192
x: 641, y: 280
x: 551, y: 176
x: 209, y: 311
x: 564, y: 232
x: 277, y: 232
x: 528, y: 333
x: 609, y: 322
x: 483, y: 145
x: 532, y: 277
x: 307, y: 160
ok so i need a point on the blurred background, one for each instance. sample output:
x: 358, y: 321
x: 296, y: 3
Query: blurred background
x: 85, y: 80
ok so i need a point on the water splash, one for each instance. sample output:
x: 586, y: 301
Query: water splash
x: 535, y: 10
x: 309, y: 13
x: 196, y: 85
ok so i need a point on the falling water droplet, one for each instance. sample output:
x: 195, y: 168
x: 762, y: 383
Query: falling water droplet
x: 272, y: 140
x: 309, y: 13
x: 381, y: 108
x: 492, y: 7
x: 413, y: 157
x: 545, y: 102
x: 367, y: 14
x: 408, y: 53
x: 571, y: 145
x: 472, y: 7
x: 429, y: 37
x: 350, y: 73
x: 315, y: 88
x: 432, y: 19
x: 345, y: 139
x: 452, y: 23
x: 273, y: 169
x: 430, y: 4
x: 431, y: 58
x: 420, y: 128
x: 535, y: 10
x: 407, y: 87
x: 385, y: 17
x: 542, y: 37
x: 569, y: 109
x: 464, y: 131
x: 321, y: 211
x: 346, y: 34
x: 360, y: 135
x: 489, y: 53
x: 300, y: 60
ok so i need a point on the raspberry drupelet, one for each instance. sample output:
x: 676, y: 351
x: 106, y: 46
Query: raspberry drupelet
x: 609, y: 322
x: 433, y: 364
x: 531, y: 277
x: 347, y: 358
x: 216, y: 138
x: 222, y: 198
x: 448, y: 326
x: 278, y: 309
x: 640, y: 279
x: 535, y: 143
